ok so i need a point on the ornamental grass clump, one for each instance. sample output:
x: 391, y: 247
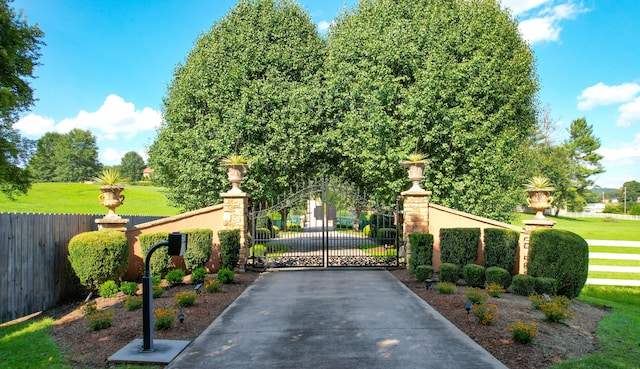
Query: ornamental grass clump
x: 186, y: 298
x: 495, y: 290
x: 446, y: 288
x: 523, y: 332
x: 163, y: 318
x: 486, y: 313
x: 475, y: 295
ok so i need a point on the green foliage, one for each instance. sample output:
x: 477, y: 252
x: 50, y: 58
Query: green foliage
x: 498, y: 276
x: 523, y: 333
x: 199, y: 249
x: 97, y: 257
x: 160, y: 262
x: 157, y: 291
x: 584, y: 160
x: 459, y: 245
x: 474, y: 275
x: 226, y: 276
x: 198, y: 275
x: 424, y: 272
x: 421, y: 249
x: 163, y: 318
x: 561, y: 255
x: 556, y: 310
x: 156, y: 280
x: 109, y: 289
x: 447, y: 288
x: 129, y: 288
x: 133, y: 302
x: 132, y: 165
x: 110, y: 177
x: 486, y: 314
x: 449, y: 272
x: 475, y: 295
x: 212, y: 285
x: 546, y: 285
x: 495, y: 290
x: 258, y: 250
x: 523, y: 284
x: 500, y: 246
x: 100, y: 320
x: 386, y: 236
x: 185, y: 298
x: 229, y: 247
x: 175, y: 277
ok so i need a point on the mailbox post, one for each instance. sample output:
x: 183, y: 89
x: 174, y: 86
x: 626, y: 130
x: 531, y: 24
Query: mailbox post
x: 177, y: 246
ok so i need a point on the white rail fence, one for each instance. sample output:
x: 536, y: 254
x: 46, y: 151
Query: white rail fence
x: 613, y: 268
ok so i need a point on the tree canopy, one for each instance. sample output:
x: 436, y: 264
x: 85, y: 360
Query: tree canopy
x: 131, y: 166
x: 453, y: 80
x: 19, y: 53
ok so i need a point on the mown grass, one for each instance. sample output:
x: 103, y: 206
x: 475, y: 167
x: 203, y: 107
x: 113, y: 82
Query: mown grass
x: 82, y: 198
x: 615, y: 249
x: 615, y: 275
x: 592, y: 228
x: 618, y: 332
x: 614, y: 262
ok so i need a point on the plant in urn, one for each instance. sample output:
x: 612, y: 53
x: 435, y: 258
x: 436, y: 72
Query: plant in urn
x: 112, y: 185
x: 539, y: 189
x: 415, y: 164
x: 236, y: 166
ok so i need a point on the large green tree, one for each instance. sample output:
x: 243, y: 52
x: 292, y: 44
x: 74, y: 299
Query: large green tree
x: 250, y: 86
x: 451, y: 79
x: 19, y: 52
x: 581, y: 146
x: 131, y: 166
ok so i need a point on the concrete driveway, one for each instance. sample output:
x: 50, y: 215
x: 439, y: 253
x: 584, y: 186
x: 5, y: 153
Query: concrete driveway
x: 332, y: 318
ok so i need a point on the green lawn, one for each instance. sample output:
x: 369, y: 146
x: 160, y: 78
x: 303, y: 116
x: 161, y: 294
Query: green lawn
x: 81, y: 198
x: 592, y: 228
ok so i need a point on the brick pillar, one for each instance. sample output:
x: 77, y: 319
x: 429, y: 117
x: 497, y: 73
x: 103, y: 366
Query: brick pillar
x: 234, y: 216
x: 415, y: 216
x: 523, y: 252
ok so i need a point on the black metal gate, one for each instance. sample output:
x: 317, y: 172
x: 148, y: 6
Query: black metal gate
x: 325, y: 224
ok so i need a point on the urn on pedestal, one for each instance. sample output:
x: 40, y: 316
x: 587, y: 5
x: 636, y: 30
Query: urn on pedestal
x: 415, y: 165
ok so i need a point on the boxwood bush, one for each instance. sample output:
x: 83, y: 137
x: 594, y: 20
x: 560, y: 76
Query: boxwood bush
x: 546, y: 285
x: 199, y: 249
x: 229, y: 247
x: 523, y: 284
x: 474, y: 275
x: 421, y: 250
x: 160, y: 263
x: 424, y: 272
x: 500, y: 246
x: 97, y: 257
x: 562, y: 255
x: 498, y: 276
x: 449, y: 272
x: 459, y: 246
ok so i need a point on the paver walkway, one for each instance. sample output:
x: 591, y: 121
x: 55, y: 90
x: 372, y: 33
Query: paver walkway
x: 332, y: 318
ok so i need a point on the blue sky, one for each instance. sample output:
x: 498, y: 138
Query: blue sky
x: 106, y: 67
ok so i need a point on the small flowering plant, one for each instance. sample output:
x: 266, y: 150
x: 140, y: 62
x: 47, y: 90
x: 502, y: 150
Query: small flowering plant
x: 132, y: 302
x: 495, y: 290
x: 447, y: 288
x: 555, y: 311
x: 186, y: 298
x: 486, y: 313
x: 163, y: 318
x: 100, y: 319
x: 523, y: 332
x: 475, y: 295
x: 212, y: 285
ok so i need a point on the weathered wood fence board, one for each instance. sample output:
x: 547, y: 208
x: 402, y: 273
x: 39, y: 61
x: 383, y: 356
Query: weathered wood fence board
x: 33, y: 258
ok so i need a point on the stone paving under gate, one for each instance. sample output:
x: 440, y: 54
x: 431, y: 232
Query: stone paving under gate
x: 332, y: 318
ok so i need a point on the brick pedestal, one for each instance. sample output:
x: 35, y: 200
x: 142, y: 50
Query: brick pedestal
x: 235, y: 210
x: 416, y: 216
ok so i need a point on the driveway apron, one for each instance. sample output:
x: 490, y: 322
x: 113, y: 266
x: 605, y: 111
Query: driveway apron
x: 332, y: 318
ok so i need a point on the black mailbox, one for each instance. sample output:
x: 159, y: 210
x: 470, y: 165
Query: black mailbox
x: 177, y: 243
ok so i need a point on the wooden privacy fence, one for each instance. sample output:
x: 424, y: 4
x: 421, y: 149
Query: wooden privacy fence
x: 33, y: 258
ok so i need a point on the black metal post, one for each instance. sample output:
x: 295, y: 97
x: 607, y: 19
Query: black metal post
x: 147, y: 301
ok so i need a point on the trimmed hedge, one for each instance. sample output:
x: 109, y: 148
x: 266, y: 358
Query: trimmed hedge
x: 424, y: 272
x: 99, y: 256
x: 229, y: 247
x: 160, y: 263
x: 562, y: 255
x: 546, y: 285
x: 200, y: 247
x: 449, y: 273
x: 500, y: 246
x: 474, y: 275
x: 498, y: 276
x: 523, y: 284
x: 459, y: 245
x: 421, y: 250
x: 386, y: 236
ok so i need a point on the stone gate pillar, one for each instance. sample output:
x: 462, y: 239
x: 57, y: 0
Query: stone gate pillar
x: 415, y: 216
x: 234, y: 216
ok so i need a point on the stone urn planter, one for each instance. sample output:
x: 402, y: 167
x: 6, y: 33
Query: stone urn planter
x: 415, y: 166
x: 111, y: 198
x: 236, y: 166
x: 539, y: 189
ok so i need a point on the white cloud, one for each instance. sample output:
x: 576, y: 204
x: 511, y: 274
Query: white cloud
x: 323, y: 26
x: 545, y: 24
x: 34, y: 125
x: 623, y: 155
x: 601, y: 94
x: 111, y: 156
x: 629, y: 113
x: 521, y: 6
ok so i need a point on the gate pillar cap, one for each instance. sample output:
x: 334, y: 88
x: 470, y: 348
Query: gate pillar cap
x: 416, y: 193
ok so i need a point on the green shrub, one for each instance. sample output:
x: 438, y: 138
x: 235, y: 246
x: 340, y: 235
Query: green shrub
x: 459, y: 245
x: 500, y: 246
x: 386, y: 236
x: 562, y: 255
x: 129, y: 288
x: 175, y: 277
x: 424, y: 272
x: 198, y: 275
x: 262, y: 234
x: 157, y: 291
x: 97, y: 257
x: 421, y: 249
x: 546, y: 285
x: 498, y: 276
x: 473, y: 275
x: 258, y: 250
x: 523, y: 284
x: 160, y: 262
x: 109, y: 289
x: 156, y: 280
x: 226, y: 275
x: 133, y: 302
x: 199, y: 249
x: 449, y: 272
x: 229, y: 247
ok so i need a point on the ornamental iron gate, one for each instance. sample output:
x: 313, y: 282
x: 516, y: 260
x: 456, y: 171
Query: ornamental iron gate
x: 325, y: 224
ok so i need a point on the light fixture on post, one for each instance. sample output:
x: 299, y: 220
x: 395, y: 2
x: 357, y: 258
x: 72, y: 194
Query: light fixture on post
x: 181, y: 316
x: 468, y: 306
x: 427, y: 283
x: 198, y: 288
